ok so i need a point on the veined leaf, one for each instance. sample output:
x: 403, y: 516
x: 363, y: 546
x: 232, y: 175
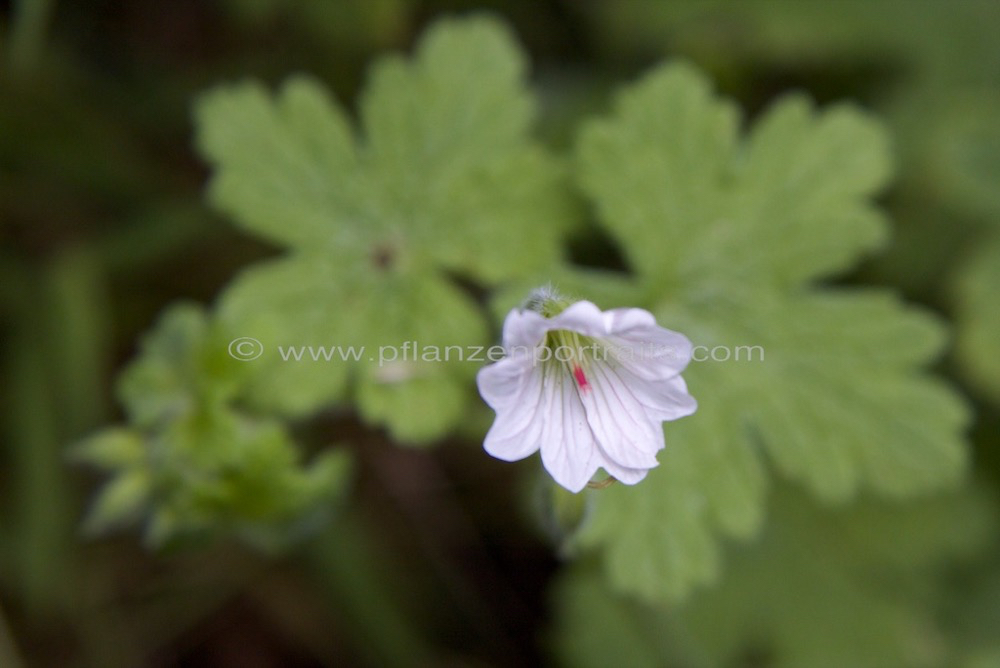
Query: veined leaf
x: 440, y: 177
x: 726, y: 235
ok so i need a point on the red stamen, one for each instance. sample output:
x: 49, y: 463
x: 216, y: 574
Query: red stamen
x: 581, y: 379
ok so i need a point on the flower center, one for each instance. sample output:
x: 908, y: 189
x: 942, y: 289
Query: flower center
x: 383, y: 256
x: 570, y: 350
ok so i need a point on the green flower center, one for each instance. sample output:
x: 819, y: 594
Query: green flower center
x: 573, y: 352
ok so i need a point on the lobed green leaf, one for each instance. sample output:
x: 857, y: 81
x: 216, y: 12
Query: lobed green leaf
x: 725, y: 236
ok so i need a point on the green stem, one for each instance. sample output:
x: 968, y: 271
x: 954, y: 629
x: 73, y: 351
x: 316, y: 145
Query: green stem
x: 54, y: 364
x: 78, y: 317
x: 40, y: 531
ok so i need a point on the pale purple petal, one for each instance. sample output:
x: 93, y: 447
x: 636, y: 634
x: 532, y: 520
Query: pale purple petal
x: 624, y: 430
x: 515, y: 436
x: 516, y: 432
x: 650, y: 351
x: 607, y: 412
x: 623, y: 320
x: 524, y: 329
x: 623, y: 474
x: 663, y: 399
x: 569, y: 452
x: 583, y: 317
x: 501, y: 383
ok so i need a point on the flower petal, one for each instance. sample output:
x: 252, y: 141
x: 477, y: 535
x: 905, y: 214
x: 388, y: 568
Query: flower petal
x: 623, y: 474
x: 569, y: 451
x: 604, y: 410
x: 624, y: 430
x: 622, y: 320
x: 501, y: 383
x: 524, y: 329
x: 650, y: 351
x: 518, y: 391
x: 583, y: 317
x: 663, y: 399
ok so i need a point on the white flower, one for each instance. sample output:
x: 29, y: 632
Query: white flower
x: 589, y: 388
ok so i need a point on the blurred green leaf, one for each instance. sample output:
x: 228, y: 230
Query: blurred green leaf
x: 353, y: 23
x: 356, y: 322
x: 191, y: 463
x: 949, y: 145
x: 978, y: 318
x: 930, y: 68
x: 183, y: 363
x: 122, y: 501
x: 725, y: 236
x: 111, y: 449
x: 957, y: 159
x: 933, y: 41
x: 850, y: 587
x: 976, y: 617
x: 444, y: 179
x: 670, y: 166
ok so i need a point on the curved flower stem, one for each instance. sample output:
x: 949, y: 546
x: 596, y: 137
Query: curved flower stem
x: 602, y: 484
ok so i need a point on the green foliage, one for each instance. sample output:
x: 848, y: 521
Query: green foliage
x: 818, y: 587
x: 442, y: 180
x: 727, y: 237
x: 936, y: 41
x: 402, y: 214
x: 354, y: 23
x: 976, y: 617
x: 979, y: 318
x: 838, y: 402
x: 929, y: 68
x: 670, y: 166
x: 191, y: 462
x: 959, y: 154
